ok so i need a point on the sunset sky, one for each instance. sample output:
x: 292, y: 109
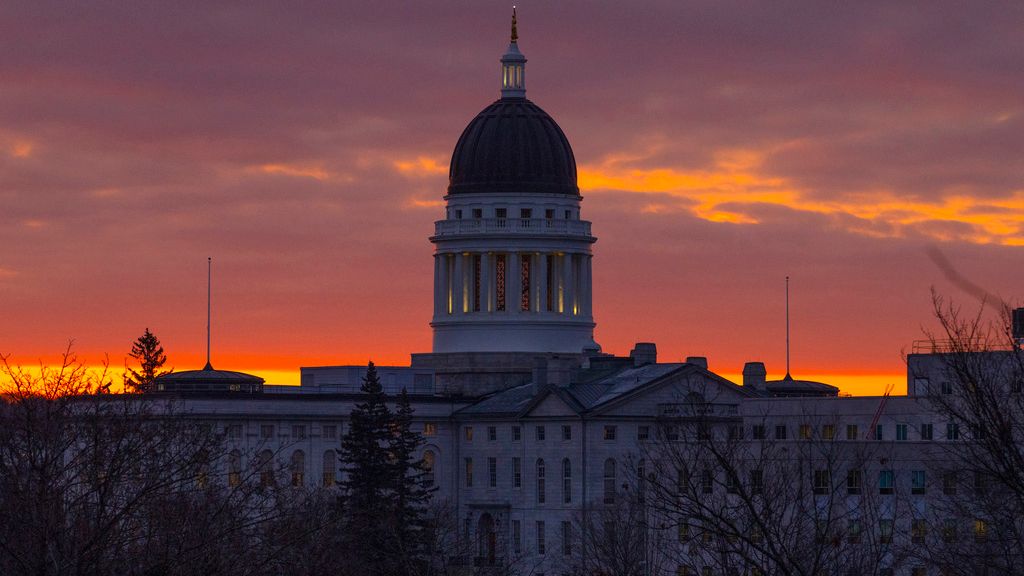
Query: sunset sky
x: 304, y: 146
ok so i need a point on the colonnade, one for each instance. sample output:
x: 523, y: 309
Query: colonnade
x: 512, y: 283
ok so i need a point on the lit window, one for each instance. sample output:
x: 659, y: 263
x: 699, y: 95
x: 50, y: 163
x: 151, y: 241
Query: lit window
x: 234, y: 468
x: 828, y: 431
x: 980, y: 530
x: 805, y: 431
x: 429, y: 461
x: 298, y: 468
x: 468, y: 433
x: 429, y: 429
x: 609, y: 432
x: 851, y: 431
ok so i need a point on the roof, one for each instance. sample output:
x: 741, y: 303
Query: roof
x: 513, y: 146
x: 789, y: 386
x: 207, y: 380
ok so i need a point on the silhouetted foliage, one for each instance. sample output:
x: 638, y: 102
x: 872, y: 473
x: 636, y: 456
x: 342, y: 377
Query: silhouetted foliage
x: 149, y: 353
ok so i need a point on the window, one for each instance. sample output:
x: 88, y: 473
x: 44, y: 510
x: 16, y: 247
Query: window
x: 234, y: 431
x: 566, y: 481
x: 828, y: 431
x: 299, y: 432
x: 926, y: 431
x: 568, y: 214
x: 947, y: 387
x: 671, y: 433
x: 886, y: 480
x: 641, y: 481
x: 429, y: 429
x: 330, y: 431
x: 517, y: 433
x: 492, y: 472
x: 885, y: 531
x: 952, y: 431
x: 684, y: 531
x: 853, y: 531
x: 736, y: 432
x: 541, y: 544
x: 517, y: 473
x: 469, y: 472
x: 758, y: 432
x: 643, y: 432
x: 501, y: 213
x: 980, y: 530
x: 517, y: 537
x: 780, y: 432
x: 298, y: 467
x: 879, y: 432
x: 234, y: 468
x: 566, y: 538
x: 492, y: 433
x: 541, y: 496
x: 429, y: 461
x: 731, y: 482
x: 707, y: 481
x: 949, y: 483
x: 467, y: 432
x: 609, y: 432
x: 549, y: 213
x: 458, y: 214
x: 756, y: 481
x: 949, y: 530
x: 901, y: 432
x: 917, y: 482
x: 805, y: 431
x: 526, y: 213
x: 918, y: 530
x: 267, y: 431
x: 478, y: 213
x: 979, y: 482
x: 851, y: 431
x: 539, y: 432
x: 609, y: 481
x: 566, y: 432
x: 265, y: 465
x: 853, y: 482
x: 822, y: 481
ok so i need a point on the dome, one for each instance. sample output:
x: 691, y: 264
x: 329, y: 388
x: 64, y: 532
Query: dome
x: 208, y: 380
x: 513, y: 146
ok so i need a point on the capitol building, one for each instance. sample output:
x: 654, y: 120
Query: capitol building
x: 530, y: 425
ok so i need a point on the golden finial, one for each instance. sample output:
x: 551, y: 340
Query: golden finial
x: 515, y: 34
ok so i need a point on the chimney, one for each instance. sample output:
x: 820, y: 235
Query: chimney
x: 755, y: 376
x: 560, y: 370
x: 644, y: 353
x: 701, y: 361
x: 540, y: 373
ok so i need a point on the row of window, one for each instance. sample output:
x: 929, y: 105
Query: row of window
x: 264, y: 466
x: 540, y: 533
x: 298, y: 431
x: 540, y: 433
x: 950, y: 530
x: 541, y: 476
x: 500, y: 213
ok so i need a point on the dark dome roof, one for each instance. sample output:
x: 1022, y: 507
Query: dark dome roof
x: 513, y: 146
x: 207, y: 380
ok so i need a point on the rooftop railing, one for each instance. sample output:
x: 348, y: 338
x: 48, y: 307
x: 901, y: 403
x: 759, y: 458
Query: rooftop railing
x: 512, y: 226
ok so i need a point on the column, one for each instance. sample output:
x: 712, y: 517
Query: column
x: 542, y: 282
x: 486, y: 294
x: 536, y: 262
x: 514, y: 274
x: 458, y: 281
x: 588, y: 286
x: 567, y: 284
x: 438, y: 288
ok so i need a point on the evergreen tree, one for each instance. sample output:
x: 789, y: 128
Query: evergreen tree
x: 410, y: 493
x: 149, y: 353
x: 366, y: 484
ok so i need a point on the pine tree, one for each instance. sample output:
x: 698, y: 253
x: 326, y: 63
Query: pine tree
x: 150, y: 355
x: 410, y: 493
x: 366, y: 484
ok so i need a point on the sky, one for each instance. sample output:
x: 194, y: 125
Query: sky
x: 872, y: 151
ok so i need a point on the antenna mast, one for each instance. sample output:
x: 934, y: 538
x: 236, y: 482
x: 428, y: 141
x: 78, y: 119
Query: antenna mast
x: 787, y: 329
x: 209, y: 292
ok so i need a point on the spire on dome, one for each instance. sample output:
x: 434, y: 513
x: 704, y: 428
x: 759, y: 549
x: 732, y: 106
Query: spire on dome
x: 515, y: 33
x: 513, y: 66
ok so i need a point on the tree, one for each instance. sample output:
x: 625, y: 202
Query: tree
x: 367, y: 483
x: 148, y: 352
x: 410, y: 495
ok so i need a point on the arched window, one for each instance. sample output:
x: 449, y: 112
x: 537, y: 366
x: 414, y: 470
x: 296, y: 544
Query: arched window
x: 330, y: 468
x: 298, y: 467
x: 234, y: 468
x: 609, y: 481
x: 428, y: 467
x: 566, y: 481
x: 540, y: 481
x: 266, y: 468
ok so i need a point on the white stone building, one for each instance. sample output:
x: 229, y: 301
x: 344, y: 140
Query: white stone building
x: 527, y: 422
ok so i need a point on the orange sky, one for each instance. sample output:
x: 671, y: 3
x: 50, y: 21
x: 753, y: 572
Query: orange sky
x: 721, y: 147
